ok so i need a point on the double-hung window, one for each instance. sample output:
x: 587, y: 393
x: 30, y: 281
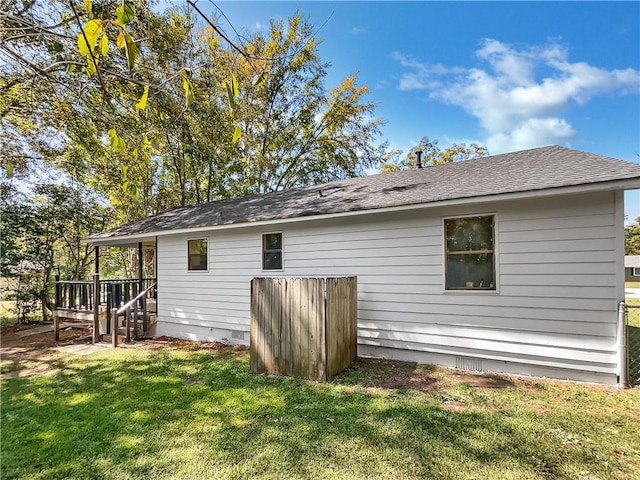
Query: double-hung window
x: 272, y: 251
x: 470, y: 253
x: 197, y: 254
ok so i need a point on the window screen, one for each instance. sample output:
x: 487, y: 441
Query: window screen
x: 272, y: 251
x: 470, y: 259
x: 197, y: 255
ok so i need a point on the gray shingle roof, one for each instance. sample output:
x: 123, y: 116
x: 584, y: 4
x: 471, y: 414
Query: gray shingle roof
x: 524, y: 171
x: 632, y: 261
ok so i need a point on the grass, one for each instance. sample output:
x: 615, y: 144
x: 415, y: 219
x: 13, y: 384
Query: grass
x: 193, y: 412
x: 632, y: 284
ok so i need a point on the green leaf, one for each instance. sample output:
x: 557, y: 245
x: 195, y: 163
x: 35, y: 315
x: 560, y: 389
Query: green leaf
x: 232, y: 102
x: 188, y: 87
x: 117, y: 142
x: 9, y: 169
x: 71, y: 68
x: 234, y: 83
x: 130, y: 188
x: 142, y: 104
x: 125, y: 13
x: 237, y: 133
x: 123, y: 170
x: 131, y: 50
x: 104, y: 45
x: 262, y: 78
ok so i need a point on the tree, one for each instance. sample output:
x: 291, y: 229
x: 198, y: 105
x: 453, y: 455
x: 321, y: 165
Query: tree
x: 183, y: 118
x: 41, y: 231
x: 294, y: 131
x: 632, y: 238
x: 431, y: 154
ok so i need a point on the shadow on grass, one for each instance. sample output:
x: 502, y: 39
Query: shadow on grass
x: 198, y: 414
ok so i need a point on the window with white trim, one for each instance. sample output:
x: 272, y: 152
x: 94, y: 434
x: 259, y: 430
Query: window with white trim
x: 197, y: 254
x: 470, y: 253
x: 635, y: 272
x: 272, y: 251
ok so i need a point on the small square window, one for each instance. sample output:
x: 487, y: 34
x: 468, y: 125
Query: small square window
x: 635, y: 272
x: 272, y: 251
x: 469, y: 251
x: 197, y: 254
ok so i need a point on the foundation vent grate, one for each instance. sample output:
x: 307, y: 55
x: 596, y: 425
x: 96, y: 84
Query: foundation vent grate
x: 465, y: 363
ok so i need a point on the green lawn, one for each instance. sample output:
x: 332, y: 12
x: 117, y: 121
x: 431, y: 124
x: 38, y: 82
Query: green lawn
x: 193, y: 412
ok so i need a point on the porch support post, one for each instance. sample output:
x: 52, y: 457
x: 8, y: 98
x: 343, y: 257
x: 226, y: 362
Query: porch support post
x: 97, y: 261
x: 623, y: 368
x: 140, y: 267
x: 96, y: 306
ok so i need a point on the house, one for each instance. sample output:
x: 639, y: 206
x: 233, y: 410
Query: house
x: 510, y: 263
x: 632, y: 268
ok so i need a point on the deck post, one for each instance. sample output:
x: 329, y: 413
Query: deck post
x: 114, y: 327
x: 58, y: 291
x: 56, y: 326
x: 96, y: 306
x: 140, y: 266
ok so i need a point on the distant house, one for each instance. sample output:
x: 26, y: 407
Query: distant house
x: 509, y: 263
x: 632, y: 268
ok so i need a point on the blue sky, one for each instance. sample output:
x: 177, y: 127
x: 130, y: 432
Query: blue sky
x: 510, y: 75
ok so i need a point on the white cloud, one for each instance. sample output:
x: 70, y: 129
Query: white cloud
x: 357, y: 30
x: 518, y: 95
x: 531, y: 133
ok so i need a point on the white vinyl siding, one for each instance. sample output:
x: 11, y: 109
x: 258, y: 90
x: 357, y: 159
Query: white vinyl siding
x: 556, y: 264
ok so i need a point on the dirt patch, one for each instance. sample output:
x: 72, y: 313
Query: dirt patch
x: 484, y: 380
x: 25, y: 355
x: 31, y: 349
x: 177, y: 343
x: 387, y: 374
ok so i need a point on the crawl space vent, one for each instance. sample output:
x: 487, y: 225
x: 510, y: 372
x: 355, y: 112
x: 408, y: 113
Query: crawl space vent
x: 465, y: 363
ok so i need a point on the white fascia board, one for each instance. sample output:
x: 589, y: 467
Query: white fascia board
x: 548, y: 192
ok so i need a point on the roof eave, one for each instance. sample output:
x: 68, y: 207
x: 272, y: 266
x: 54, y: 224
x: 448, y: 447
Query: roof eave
x: 127, y: 240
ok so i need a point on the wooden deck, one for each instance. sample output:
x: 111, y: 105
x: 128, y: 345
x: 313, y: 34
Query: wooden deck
x: 86, y: 318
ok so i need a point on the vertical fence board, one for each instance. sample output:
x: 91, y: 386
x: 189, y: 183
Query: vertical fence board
x: 277, y: 319
x: 260, y: 319
x: 253, y: 327
x: 303, y: 327
x: 331, y: 326
x: 295, y: 321
x: 313, y: 329
x: 271, y: 294
x: 322, y: 330
x: 286, y: 329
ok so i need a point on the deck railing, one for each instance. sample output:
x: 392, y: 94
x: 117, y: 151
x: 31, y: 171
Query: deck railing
x: 136, y: 311
x: 101, y: 296
x: 79, y: 295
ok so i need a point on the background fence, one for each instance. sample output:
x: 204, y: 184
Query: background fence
x: 303, y: 327
x: 633, y: 345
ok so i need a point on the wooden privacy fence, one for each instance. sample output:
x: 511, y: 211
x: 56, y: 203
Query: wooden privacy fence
x: 303, y: 327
